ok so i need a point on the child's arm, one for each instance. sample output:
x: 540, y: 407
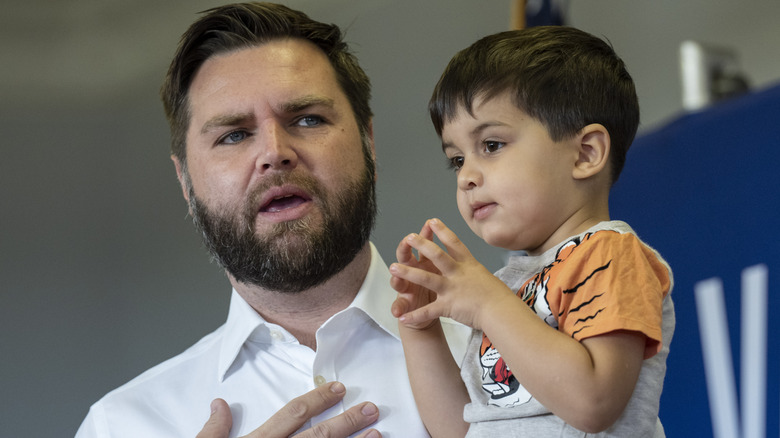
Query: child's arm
x: 435, y: 378
x: 587, y: 384
x: 433, y: 373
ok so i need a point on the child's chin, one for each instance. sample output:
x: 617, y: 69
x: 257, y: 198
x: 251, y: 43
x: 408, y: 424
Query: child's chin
x: 497, y: 241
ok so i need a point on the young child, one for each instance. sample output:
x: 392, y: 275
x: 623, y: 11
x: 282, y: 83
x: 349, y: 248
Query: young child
x: 571, y: 337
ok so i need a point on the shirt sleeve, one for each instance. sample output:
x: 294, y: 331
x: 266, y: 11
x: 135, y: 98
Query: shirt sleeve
x: 609, y: 282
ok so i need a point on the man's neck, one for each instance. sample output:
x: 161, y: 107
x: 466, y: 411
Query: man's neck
x: 304, y: 312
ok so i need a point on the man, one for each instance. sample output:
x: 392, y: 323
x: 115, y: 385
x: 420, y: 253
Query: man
x: 273, y: 146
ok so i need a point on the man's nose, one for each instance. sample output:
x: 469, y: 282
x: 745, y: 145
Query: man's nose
x: 277, y: 151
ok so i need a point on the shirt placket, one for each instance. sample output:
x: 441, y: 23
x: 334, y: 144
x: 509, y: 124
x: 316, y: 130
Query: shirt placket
x: 330, y: 339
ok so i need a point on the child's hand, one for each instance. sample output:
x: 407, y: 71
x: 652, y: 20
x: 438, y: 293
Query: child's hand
x: 452, y: 283
x: 412, y: 296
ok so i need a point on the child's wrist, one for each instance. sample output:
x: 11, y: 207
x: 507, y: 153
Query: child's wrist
x: 433, y: 324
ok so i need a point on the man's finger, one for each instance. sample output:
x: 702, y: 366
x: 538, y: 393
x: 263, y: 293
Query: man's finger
x: 220, y: 421
x: 300, y: 410
x: 370, y: 433
x: 345, y: 424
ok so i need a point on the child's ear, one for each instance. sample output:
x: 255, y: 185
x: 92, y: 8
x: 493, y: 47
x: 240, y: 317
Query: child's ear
x: 593, y: 151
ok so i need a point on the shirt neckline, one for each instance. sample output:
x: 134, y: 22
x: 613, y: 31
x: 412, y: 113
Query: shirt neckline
x: 374, y: 299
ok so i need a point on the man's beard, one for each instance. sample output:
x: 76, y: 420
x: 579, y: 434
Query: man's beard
x: 296, y: 255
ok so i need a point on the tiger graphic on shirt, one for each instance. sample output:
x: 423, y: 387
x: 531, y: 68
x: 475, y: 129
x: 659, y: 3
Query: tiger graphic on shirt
x: 559, y: 291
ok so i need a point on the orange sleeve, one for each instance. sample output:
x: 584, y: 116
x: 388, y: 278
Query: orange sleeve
x: 609, y: 282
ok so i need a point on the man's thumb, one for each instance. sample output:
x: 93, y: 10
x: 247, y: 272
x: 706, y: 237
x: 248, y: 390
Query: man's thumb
x: 220, y: 421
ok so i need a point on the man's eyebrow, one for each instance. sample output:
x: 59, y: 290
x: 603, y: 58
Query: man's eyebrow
x: 289, y: 107
x: 301, y: 103
x: 226, y: 120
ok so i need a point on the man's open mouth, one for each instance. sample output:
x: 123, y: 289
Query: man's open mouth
x: 280, y: 203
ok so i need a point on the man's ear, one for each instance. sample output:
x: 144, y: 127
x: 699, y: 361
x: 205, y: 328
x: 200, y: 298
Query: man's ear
x: 593, y: 144
x: 181, y: 177
x: 370, y: 135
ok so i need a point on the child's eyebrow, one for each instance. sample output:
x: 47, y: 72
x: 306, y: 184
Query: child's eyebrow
x: 483, y: 126
x: 475, y: 133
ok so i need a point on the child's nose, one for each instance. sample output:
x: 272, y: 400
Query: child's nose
x: 469, y: 176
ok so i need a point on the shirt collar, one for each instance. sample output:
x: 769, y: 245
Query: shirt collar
x: 242, y: 321
x: 374, y: 298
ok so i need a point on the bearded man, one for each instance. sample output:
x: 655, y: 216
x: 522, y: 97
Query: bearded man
x: 273, y: 146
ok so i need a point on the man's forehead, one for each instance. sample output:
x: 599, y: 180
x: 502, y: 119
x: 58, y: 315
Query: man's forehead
x: 285, y: 74
x: 272, y: 64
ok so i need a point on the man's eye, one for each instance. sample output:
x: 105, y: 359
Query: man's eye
x: 309, y: 121
x: 492, y: 146
x: 234, y: 137
x: 455, y: 163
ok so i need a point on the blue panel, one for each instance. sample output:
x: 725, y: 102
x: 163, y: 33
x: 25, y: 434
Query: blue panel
x: 705, y: 192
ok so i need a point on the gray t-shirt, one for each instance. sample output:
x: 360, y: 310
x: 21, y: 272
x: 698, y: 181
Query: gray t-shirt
x: 529, y: 418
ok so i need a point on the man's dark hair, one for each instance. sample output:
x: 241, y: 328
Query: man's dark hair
x: 239, y: 26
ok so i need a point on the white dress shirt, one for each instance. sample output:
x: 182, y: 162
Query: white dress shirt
x: 257, y: 367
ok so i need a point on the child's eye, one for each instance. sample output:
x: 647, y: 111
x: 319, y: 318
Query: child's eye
x: 492, y: 145
x: 233, y: 137
x: 455, y: 163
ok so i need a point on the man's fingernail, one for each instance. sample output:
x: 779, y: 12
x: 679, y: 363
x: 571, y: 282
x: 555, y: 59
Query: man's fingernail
x: 338, y: 388
x: 369, y: 410
x: 373, y: 434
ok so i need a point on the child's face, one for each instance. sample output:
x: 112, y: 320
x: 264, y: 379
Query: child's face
x: 514, y: 183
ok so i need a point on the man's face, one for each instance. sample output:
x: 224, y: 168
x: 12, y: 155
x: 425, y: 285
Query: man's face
x: 276, y: 173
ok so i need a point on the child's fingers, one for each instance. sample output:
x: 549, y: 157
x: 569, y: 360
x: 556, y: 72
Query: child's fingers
x: 421, y: 318
x: 431, y: 252
x: 416, y: 276
x: 399, y: 284
x: 426, y: 233
x: 403, y: 253
x: 455, y: 247
x: 399, y: 306
x: 426, y: 230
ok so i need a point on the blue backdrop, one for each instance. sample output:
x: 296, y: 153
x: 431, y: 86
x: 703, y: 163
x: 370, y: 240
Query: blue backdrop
x: 704, y: 190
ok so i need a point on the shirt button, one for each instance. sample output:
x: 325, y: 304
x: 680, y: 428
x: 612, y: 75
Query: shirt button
x: 319, y: 380
x: 277, y: 335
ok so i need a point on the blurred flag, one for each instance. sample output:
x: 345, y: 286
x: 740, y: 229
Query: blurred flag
x: 529, y: 13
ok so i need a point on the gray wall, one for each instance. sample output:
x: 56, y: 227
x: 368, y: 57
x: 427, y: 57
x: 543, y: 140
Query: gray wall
x: 101, y: 274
